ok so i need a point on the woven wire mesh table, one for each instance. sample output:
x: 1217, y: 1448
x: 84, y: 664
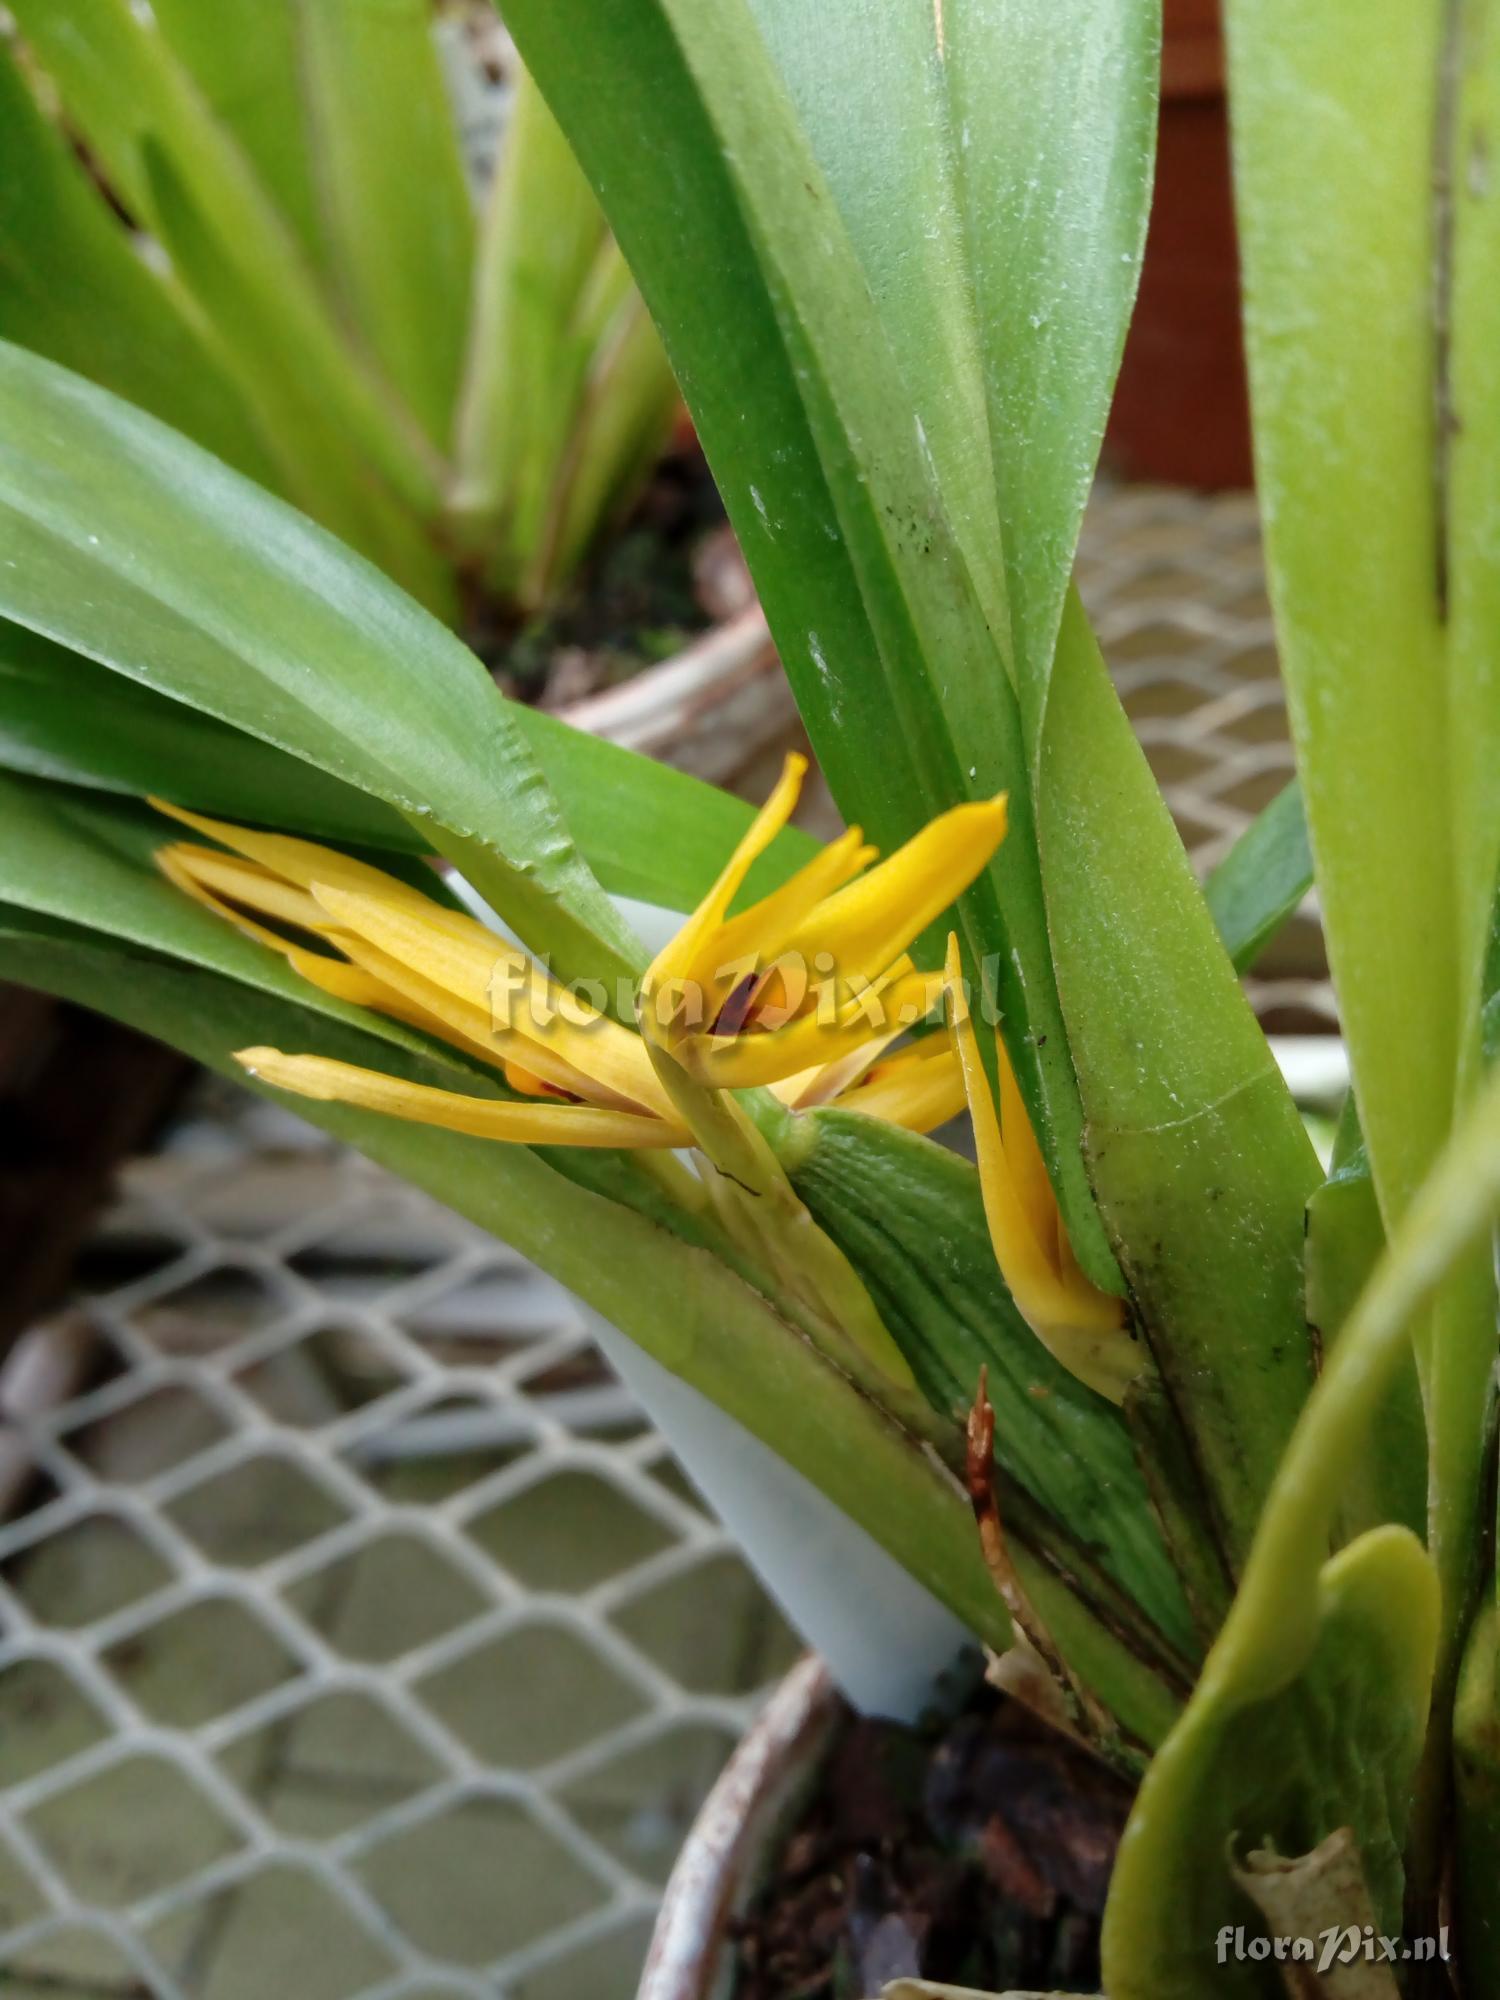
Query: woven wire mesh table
x: 358, y: 1638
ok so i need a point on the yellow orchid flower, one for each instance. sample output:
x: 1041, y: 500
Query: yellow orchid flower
x: 585, y: 1080
x: 816, y: 973
x: 1079, y: 1325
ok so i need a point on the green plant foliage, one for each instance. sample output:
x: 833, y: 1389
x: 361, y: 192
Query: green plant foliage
x: 1377, y: 430
x: 295, y: 280
x: 647, y: 830
x: 892, y: 248
x: 126, y: 543
x: 1199, y: 1157
x: 1343, y: 1653
x: 1262, y: 878
x: 679, y: 1301
x: 1337, y: 1747
x: 907, y: 1214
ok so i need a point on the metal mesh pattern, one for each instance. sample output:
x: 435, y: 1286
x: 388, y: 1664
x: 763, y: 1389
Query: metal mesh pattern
x: 362, y: 1632
x: 359, y: 1640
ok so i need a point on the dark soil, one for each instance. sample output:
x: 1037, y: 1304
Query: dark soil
x: 662, y: 576
x: 976, y: 1852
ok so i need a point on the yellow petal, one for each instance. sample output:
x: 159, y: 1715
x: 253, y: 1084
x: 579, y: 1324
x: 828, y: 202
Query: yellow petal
x: 473, y: 1029
x: 735, y: 1062
x: 502, y: 985
x: 756, y: 933
x: 231, y: 889
x: 825, y: 1081
x: 362, y: 989
x: 1028, y: 1168
x: 300, y: 861
x: 679, y: 957
x: 920, y: 1089
x: 868, y: 922
x: 528, y: 1124
x: 1081, y: 1329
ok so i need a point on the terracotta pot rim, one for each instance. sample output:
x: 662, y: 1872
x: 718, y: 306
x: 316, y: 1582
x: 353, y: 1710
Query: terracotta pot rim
x: 720, y: 1853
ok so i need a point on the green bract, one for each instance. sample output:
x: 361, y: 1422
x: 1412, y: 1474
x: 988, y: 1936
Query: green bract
x: 891, y: 249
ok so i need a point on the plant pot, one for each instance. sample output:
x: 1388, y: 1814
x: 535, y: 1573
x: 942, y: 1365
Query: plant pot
x: 1181, y: 411
x: 717, y: 708
x: 734, y: 1835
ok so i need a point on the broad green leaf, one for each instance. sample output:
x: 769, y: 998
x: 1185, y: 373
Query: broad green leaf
x: 1469, y: 488
x: 1200, y: 1160
x: 1280, y: 1770
x: 1342, y: 377
x: 64, y: 716
x: 1273, y: 1643
x: 73, y: 287
x: 126, y: 543
x: 1262, y: 878
x: 686, y: 127
x: 871, y: 86
x: 132, y: 98
x: 648, y: 831
x: 1378, y: 433
x: 395, y: 209
x: 1053, y: 136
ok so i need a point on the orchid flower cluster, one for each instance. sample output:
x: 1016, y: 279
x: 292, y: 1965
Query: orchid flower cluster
x: 728, y: 1005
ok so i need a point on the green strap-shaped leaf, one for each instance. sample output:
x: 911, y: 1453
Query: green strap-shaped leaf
x: 322, y: 465
x: 394, y: 203
x: 628, y: 402
x: 1278, y: 1654
x: 1345, y: 1239
x: 73, y: 287
x: 1372, y: 323
x: 1262, y: 878
x: 1201, y: 1162
x: 246, y: 59
x: 126, y: 543
x: 647, y: 830
x: 541, y: 234
x: 1052, y: 131
x: 1469, y: 476
x: 131, y: 97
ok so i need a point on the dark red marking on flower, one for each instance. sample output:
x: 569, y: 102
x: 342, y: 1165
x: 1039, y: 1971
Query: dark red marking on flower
x: 732, y: 1015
